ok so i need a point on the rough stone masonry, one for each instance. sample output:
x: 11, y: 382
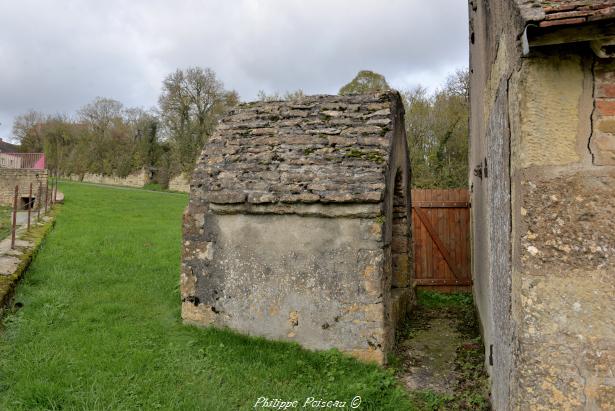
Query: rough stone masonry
x: 10, y: 177
x: 298, y: 224
x: 542, y: 141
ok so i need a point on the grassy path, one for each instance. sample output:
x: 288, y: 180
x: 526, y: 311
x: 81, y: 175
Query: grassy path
x: 100, y: 330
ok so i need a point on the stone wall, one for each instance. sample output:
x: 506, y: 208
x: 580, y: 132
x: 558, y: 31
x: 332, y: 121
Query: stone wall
x: 305, y: 293
x: 493, y: 50
x: 9, y: 177
x: 562, y: 240
x: 138, y: 179
x: 543, y: 197
x: 180, y: 183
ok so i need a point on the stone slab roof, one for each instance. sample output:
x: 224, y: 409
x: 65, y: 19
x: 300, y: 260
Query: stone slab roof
x: 551, y: 13
x: 318, y: 149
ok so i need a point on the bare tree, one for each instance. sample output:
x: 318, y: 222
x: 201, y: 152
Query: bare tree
x: 27, y: 130
x: 191, y: 103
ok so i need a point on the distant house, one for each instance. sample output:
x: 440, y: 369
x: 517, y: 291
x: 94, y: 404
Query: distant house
x: 8, y: 147
x: 21, y: 169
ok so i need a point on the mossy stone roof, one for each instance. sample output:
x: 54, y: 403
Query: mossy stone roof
x: 325, y: 149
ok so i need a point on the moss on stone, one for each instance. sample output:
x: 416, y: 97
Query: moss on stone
x: 372, y: 156
x: 36, y: 235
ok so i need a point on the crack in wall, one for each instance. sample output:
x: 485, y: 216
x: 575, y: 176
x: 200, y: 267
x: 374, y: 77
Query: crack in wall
x: 591, y: 117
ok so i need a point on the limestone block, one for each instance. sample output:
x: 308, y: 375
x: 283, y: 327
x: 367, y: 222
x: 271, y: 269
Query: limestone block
x: 180, y: 183
x: 546, y: 96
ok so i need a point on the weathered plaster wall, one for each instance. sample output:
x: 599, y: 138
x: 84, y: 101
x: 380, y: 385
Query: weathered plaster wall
x: 9, y: 177
x: 138, y: 179
x: 317, y: 281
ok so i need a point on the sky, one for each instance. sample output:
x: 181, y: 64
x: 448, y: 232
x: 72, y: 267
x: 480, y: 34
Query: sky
x: 58, y: 55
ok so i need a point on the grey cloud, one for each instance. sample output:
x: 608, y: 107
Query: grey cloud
x: 57, y: 56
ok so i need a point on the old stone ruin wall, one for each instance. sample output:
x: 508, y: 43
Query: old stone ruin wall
x: 180, y: 182
x: 312, y: 268
x: 9, y: 177
x: 137, y: 179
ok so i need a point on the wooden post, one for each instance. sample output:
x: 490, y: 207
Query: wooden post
x: 55, y: 192
x: 38, y: 201
x: 14, y: 217
x: 29, y: 206
x: 46, y: 193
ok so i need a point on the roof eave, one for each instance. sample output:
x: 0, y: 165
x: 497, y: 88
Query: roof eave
x: 601, y: 33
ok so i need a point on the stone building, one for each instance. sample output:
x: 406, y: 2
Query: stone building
x: 21, y: 169
x: 542, y: 125
x: 22, y: 177
x: 297, y: 227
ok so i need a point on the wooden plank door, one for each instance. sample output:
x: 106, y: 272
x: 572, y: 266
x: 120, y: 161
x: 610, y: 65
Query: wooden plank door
x: 441, y: 238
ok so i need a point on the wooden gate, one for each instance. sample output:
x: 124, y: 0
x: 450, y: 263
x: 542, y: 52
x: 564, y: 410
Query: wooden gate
x: 441, y: 237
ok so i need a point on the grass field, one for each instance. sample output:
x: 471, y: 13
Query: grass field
x: 6, y: 215
x: 99, y: 325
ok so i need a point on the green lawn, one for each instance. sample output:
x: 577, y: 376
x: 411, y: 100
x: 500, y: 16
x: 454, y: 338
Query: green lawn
x: 100, y: 325
x: 6, y: 219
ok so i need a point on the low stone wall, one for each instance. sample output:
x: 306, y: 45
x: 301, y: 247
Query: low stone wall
x: 138, y: 179
x: 10, y: 177
x: 180, y: 183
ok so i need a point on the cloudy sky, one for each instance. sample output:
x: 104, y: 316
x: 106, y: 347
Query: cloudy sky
x: 57, y: 55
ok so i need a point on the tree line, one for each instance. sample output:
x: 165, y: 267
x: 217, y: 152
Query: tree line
x: 105, y: 137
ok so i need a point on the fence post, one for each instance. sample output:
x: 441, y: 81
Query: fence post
x: 14, y: 217
x: 38, y: 201
x: 29, y: 206
x: 55, y: 192
x: 46, y: 193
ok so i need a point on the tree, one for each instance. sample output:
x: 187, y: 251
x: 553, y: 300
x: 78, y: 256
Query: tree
x: 191, y: 104
x: 27, y: 131
x: 437, y: 131
x: 365, y: 82
x: 105, y: 138
x: 144, y: 130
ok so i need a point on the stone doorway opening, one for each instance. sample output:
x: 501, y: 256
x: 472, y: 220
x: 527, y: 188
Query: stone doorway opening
x: 400, y: 236
x: 401, y: 291
x: 27, y: 203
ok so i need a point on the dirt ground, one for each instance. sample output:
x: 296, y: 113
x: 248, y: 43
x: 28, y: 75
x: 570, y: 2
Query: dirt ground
x: 440, y: 355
